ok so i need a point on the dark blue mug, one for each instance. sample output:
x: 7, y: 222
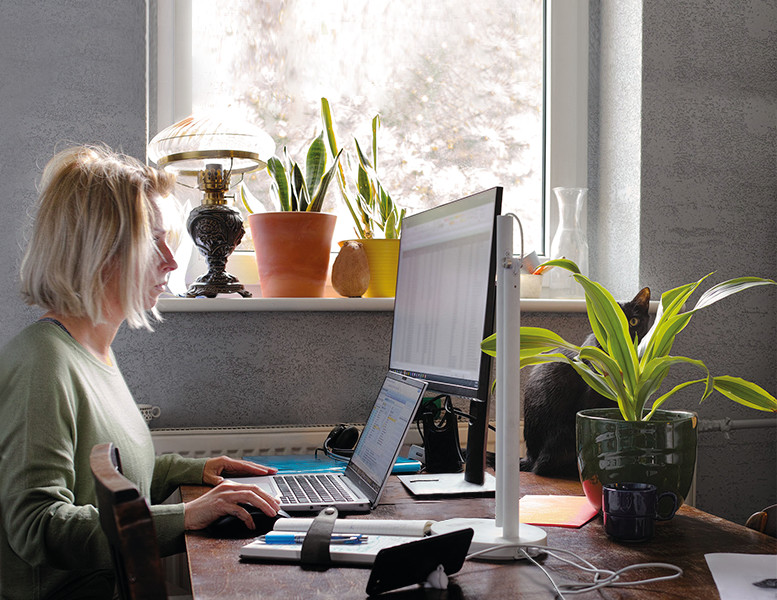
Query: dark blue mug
x: 630, y: 510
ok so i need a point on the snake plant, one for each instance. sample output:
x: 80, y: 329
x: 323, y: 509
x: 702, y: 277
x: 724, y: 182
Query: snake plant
x: 370, y: 204
x: 294, y: 191
x: 630, y: 373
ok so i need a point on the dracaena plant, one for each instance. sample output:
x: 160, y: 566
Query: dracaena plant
x: 368, y: 201
x: 295, y: 191
x: 631, y: 373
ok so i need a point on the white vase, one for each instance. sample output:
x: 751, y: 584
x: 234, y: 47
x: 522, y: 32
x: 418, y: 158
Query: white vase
x: 569, y: 241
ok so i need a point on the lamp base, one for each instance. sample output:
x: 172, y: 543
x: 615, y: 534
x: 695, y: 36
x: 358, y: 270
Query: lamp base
x: 210, y: 289
x: 488, y: 535
x: 216, y: 230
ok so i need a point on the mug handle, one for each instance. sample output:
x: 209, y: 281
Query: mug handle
x: 676, y: 501
x: 156, y: 411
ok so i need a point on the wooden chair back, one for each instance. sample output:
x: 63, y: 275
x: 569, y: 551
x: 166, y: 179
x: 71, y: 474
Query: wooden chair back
x: 764, y: 521
x: 126, y: 520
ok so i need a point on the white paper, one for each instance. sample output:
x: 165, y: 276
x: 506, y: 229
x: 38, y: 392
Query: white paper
x: 340, y: 553
x: 446, y: 484
x: 402, y: 527
x: 735, y: 574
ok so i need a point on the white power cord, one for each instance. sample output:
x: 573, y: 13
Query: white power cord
x: 602, y: 577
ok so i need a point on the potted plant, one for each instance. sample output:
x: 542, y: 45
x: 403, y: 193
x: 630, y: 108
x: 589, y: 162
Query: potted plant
x: 377, y: 220
x: 634, y: 440
x: 293, y: 245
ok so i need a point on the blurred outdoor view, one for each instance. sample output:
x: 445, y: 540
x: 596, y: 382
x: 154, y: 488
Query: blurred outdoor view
x: 457, y: 84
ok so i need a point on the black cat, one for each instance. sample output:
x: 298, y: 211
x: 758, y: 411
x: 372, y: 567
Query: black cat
x: 553, y: 395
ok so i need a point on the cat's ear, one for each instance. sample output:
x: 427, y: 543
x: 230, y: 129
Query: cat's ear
x: 643, y: 298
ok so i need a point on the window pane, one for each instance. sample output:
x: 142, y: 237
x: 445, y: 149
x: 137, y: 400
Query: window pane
x: 458, y: 86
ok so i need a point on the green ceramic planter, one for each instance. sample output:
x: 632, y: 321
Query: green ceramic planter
x: 661, y: 451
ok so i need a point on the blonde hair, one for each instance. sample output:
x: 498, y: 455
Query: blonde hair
x: 94, y: 219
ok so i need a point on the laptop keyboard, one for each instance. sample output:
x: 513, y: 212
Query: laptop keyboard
x: 301, y: 489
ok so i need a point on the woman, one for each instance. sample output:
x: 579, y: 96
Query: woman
x: 98, y: 256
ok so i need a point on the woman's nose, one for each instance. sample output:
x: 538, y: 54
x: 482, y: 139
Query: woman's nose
x: 168, y: 262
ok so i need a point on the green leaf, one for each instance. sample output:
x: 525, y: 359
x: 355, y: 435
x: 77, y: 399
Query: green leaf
x: 318, y: 199
x: 280, y: 183
x: 728, y: 288
x: 613, y: 378
x: 608, y: 318
x: 652, y: 377
x: 488, y: 345
x: 564, y: 263
x: 299, y: 192
x: 363, y: 185
x: 745, y: 393
x: 315, y: 164
x: 250, y: 202
x: 375, y: 128
x: 326, y: 117
x: 363, y: 160
x: 671, y: 304
x: 657, y: 404
x: 535, y: 340
x: 664, y: 336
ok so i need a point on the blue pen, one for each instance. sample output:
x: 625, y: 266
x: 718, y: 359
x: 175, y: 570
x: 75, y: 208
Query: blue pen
x: 282, y: 537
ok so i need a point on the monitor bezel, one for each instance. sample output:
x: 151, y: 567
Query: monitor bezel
x: 436, y: 384
x: 479, y: 396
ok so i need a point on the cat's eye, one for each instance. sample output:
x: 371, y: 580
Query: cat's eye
x: 633, y: 321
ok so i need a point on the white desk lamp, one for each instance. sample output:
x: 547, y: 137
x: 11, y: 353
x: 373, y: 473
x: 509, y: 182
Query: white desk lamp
x: 505, y: 530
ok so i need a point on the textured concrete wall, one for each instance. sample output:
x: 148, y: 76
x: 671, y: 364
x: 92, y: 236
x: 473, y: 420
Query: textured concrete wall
x: 709, y: 193
x: 70, y: 73
x: 706, y: 108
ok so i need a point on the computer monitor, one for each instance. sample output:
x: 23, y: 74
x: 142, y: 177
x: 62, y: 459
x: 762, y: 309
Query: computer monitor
x: 444, y: 307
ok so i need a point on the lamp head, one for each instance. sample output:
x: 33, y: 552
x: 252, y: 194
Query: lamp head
x: 198, y: 141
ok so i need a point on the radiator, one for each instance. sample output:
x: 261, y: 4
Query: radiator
x: 204, y: 442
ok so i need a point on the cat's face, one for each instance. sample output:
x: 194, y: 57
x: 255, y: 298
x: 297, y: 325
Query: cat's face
x: 637, y: 314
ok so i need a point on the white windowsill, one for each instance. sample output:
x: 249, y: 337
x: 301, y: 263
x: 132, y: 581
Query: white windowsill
x: 560, y: 305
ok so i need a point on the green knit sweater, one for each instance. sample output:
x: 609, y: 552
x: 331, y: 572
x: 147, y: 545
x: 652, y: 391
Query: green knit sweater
x: 56, y: 402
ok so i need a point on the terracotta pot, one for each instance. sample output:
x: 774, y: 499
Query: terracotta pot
x: 383, y: 257
x: 292, y: 252
x: 661, y: 451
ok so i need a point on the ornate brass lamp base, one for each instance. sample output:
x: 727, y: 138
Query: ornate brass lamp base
x: 216, y: 230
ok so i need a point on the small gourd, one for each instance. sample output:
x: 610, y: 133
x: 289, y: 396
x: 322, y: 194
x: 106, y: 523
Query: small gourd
x: 351, y: 271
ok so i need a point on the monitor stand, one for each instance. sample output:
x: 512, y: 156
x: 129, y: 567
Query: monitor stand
x: 446, y: 484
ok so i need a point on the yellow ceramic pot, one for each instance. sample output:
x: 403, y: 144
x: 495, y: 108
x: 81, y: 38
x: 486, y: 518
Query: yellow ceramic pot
x: 383, y: 257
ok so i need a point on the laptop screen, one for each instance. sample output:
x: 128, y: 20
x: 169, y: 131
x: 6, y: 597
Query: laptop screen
x: 382, y: 437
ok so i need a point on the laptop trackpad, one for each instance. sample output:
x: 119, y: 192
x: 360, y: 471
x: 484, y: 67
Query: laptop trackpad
x: 265, y: 482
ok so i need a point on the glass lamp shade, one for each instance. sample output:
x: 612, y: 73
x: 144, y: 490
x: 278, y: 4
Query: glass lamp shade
x: 188, y: 146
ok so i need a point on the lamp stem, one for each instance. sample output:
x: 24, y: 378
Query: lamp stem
x: 216, y: 230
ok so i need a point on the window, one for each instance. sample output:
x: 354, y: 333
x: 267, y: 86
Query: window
x: 458, y: 85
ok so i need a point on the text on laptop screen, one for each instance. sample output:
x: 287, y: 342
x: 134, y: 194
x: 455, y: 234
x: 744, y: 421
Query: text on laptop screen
x: 384, y: 431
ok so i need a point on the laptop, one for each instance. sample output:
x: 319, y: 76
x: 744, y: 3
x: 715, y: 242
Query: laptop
x: 359, y: 487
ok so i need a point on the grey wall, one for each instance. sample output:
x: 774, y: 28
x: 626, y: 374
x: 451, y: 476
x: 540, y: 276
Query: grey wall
x: 685, y: 146
x: 683, y: 182
x: 70, y: 72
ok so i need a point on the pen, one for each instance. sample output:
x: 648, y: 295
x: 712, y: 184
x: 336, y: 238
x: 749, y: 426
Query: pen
x: 281, y: 537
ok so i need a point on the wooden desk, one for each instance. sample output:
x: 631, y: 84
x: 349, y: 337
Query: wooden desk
x: 216, y: 571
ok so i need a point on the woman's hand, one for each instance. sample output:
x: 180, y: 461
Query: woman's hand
x: 225, y: 499
x: 215, y: 467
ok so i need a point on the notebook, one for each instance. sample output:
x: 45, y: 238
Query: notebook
x: 359, y: 487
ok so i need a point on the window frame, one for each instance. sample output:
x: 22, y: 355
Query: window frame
x: 565, y: 83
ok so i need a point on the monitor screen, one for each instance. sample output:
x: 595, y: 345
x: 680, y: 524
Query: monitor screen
x: 444, y: 303
x: 444, y: 306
